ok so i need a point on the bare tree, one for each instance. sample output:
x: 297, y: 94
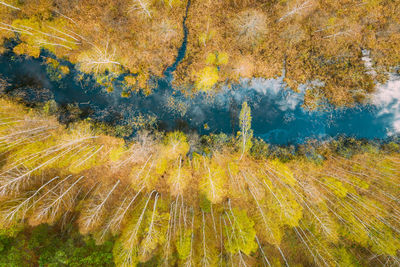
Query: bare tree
x: 99, y: 60
x: 143, y: 6
x: 14, y: 181
x: 250, y: 26
x: 166, y: 29
x: 121, y: 213
x: 296, y: 9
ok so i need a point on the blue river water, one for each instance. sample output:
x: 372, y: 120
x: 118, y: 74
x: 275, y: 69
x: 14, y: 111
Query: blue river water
x: 277, y: 113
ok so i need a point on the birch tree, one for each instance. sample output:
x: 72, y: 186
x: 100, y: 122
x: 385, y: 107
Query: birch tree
x: 239, y: 232
x: 245, y: 133
x: 98, y: 60
x: 92, y: 215
x: 142, y: 6
x: 297, y: 8
x: 15, y: 210
x: 213, y: 182
x: 155, y: 231
x: 251, y: 25
x: 57, y: 201
x: 126, y: 251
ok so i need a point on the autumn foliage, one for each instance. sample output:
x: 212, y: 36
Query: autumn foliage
x: 302, y: 40
x: 165, y: 203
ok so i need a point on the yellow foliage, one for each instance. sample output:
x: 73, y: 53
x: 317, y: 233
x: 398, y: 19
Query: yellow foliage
x: 178, y: 179
x: 25, y: 49
x: 358, y: 182
x: 204, y: 37
x: 269, y: 229
x: 240, y: 234
x: 233, y: 167
x: 291, y: 211
x: 268, y: 199
x: 130, y: 80
x: 64, y: 70
x: 175, y: 145
x: 184, y: 244
x: 222, y: 58
x: 213, y: 184
x: 284, y: 172
x: 162, y: 165
x: 36, y: 33
x: 211, y: 59
x: 117, y: 152
x: 207, y: 78
x: 335, y: 186
x: 353, y: 230
x: 54, y: 63
x: 174, y: 3
x: 384, y: 241
x: 142, y: 79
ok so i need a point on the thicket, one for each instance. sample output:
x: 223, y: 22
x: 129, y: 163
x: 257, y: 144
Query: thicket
x: 166, y: 202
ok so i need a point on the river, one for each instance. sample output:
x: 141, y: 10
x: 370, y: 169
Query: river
x: 277, y: 113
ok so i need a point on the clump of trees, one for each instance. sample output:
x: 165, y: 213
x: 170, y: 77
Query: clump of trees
x: 166, y: 203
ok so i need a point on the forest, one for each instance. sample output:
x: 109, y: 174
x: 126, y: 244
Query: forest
x: 175, y: 199
x: 81, y: 185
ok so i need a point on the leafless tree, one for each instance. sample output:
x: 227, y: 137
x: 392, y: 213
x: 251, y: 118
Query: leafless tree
x: 250, y: 26
x: 143, y: 6
x: 296, y: 9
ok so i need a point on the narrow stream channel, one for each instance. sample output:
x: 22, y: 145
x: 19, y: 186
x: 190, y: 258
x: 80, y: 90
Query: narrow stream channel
x: 168, y: 73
